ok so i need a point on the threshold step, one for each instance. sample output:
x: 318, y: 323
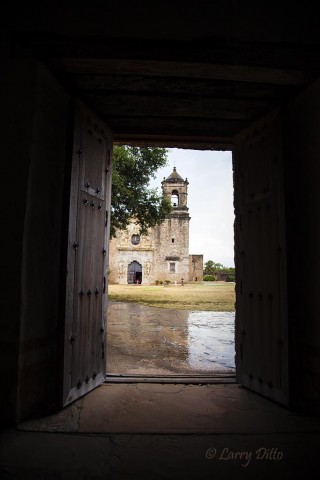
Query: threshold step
x: 192, y: 379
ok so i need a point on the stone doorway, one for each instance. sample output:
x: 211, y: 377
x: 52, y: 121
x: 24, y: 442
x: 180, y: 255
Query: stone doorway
x: 165, y: 341
x: 134, y: 272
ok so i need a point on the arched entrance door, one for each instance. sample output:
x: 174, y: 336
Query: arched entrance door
x: 134, y: 272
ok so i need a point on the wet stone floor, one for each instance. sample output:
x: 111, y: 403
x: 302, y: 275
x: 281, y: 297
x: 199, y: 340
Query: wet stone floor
x: 145, y: 340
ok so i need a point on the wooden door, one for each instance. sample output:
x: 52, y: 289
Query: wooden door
x: 261, y: 313
x: 134, y: 272
x: 87, y: 262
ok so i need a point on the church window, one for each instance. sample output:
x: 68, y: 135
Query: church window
x: 135, y: 239
x: 172, y: 267
x: 172, y: 240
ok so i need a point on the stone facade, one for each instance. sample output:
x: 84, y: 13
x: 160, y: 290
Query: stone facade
x: 123, y: 254
x: 163, y: 254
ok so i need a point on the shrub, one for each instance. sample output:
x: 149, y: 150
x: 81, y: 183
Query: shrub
x: 230, y: 278
x: 209, y: 278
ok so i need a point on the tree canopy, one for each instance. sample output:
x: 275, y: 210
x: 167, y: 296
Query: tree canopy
x: 211, y: 267
x: 133, y: 168
x: 216, y: 271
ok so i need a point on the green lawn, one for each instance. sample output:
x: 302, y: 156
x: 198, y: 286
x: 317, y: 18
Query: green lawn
x: 210, y: 296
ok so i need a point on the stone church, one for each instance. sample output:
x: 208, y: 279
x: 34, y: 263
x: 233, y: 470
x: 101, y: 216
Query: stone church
x: 163, y: 254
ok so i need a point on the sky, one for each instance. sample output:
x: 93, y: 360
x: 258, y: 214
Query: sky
x: 210, y: 200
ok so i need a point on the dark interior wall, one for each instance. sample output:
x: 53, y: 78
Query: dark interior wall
x: 302, y: 173
x: 38, y: 113
x: 41, y: 276
x: 17, y: 106
x: 250, y: 20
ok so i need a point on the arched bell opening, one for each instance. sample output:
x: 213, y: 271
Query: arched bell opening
x: 175, y: 198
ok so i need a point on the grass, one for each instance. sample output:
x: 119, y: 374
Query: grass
x: 206, y: 296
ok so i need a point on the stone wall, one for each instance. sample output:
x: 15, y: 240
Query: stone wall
x: 195, y: 268
x: 302, y: 173
x: 172, y: 249
x: 35, y: 146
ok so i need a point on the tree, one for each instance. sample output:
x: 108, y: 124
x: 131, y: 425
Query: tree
x: 216, y: 271
x: 133, y: 167
x: 209, y: 268
x: 218, y: 266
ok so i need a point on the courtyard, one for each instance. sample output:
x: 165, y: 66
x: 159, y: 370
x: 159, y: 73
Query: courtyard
x: 200, y: 296
x: 192, y: 333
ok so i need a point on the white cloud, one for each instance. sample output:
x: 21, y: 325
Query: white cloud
x: 210, y: 200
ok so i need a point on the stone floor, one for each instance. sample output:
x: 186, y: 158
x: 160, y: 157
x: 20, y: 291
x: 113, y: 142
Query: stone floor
x: 162, y: 431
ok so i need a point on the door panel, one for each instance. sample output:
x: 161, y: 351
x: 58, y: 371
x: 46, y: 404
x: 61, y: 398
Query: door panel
x: 261, y: 317
x: 86, y: 301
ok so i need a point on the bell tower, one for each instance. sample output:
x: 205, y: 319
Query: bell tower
x: 176, y: 189
x: 172, y: 236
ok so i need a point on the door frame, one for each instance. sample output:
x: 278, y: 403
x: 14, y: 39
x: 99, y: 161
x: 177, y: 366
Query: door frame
x: 189, y: 147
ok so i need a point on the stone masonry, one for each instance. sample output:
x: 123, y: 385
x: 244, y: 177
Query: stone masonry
x: 195, y: 268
